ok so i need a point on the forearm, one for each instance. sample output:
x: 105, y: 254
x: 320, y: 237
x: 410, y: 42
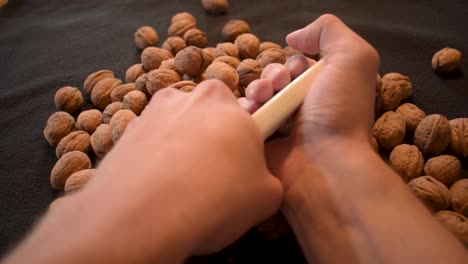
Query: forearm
x: 363, y: 213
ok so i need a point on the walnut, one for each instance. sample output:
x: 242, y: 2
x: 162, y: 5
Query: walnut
x: 179, y: 27
x: 215, y: 7
x: 174, y: 45
x: 224, y: 73
x: 135, y: 101
x: 110, y: 111
x: 432, y: 135
x: 140, y: 83
x: 195, y: 37
x: 231, y: 61
x: 444, y: 168
x: 459, y: 196
x: 272, y: 55
x: 375, y: 145
x: 78, y: 180
x: 268, y: 45
x: 248, y: 70
x: 120, y: 91
x: 101, y: 140
x: 159, y: 79
x: 226, y: 49
x: 94, y: 78
x: 184, y: 86
x: 75, y: 141
x: 68, y: 99
x: 390, y: 96
x: 290, y: 51
x: 234, y: 28
x: 101, y: 94
x: 58, y: 126
x: 151, y: 57
x: 210, y: 50
x: 134, y: 72
x: 412, y: 114
x: 183, y: 16
x: 68, y: 164
x: 404, y: 82
x: 431, y: 192
x: 145, y: 37
x: 389, y: 130
x: 89, y: 120
x: 248, y: 46
x: 192, y: 61
x: 407, y: 160
x: 459, y: 136
x: 446, y: 60
x: 455, y: 223
x: 119, y: 123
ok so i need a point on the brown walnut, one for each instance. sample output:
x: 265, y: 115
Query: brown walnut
x: 223, y: 72
x: 272, y: 55
x: 432, y: 135
x: 389, y: 97
x: 174, y: 45
x: 110, y: 111
x: 455, y: 223
x: 407, y: 160
x: 120, y: 91
x: 89, y: 120
x: 58, y: 126
x: 140, y: 83
x: 226, y: 49
x: 195, y: 37
x: 78, y: 180
x: 268, y: 45
x: 431, y: 192
x: 215, y: 7
x: 119, y: 123
x: 290, y: 51
x: 192, y: 61
x: 145, y: 37
x: 248, y: 45
x: 446, y: 60
x: 101, y: 94
x: 101, y: 140
x: 231, y: 61
x: 402, y: 81
x: 248, y: 70
x: 412, y: 114
x: 94, y: 78
x: 459, y: 136
x: 389, y: 130
x: 179, y: 27
x: 75, y: 141
x: 134, y: 72
x: 444, y: 168
x: 234, y: 28
x: 159, y: 79
x: 152, y: 57
x: 135, y: 101
x: 459, y: 196
x: 184, y: 86
x: 68, y: 164
x: 183, y: 16
x: 68, y: 99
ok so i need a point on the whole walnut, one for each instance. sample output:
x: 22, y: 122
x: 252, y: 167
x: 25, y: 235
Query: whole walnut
x: 184, y: 86
x: 234, y: 28
x: 226, y: 49
x: 290, y: 51
x: 459, y: 196
x: 110, y: 111
x: 431, y: 192
x: 159, y: 79
x: 444, y: 168
x: 169, y: 65
x: 75, y: 141
x: 146, y: 36
x: 412, y: 114
x: 268, y: 45
x: 94, y: 78
x: 407, y: 160
x: 195, y: 37
x: 174, y: 45
x: 135, y: 101
x: 68, y: 99
x: 223, y: 72
x: 89, y: 120
x: 404, y: 82
x: 120, y: 91
x: 192, y: 61
x: 459, y: 136
x: 101, y: 94
x: 210, y: 50
x: 68, y: 164
x: 140, y: 84
x: 152, y: 57
x: 215, y: 7
x: 389, y: 130
x: 389, y: 98
x: 231, y: 61
x: 58, y: 126
x: 119, y: 123
x: 101, y: 140
x: 446, y: 60
x: 272, y: 55
x: 432, y: 135
x: 183, y: 16
x: 248, y: 70
x: 179, y: 27
x: 134, y: 72
x: 78, y: 180
x: 455, y: 223
x: 248, y: 45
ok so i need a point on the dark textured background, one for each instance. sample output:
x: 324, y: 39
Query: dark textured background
x: 48, y: 44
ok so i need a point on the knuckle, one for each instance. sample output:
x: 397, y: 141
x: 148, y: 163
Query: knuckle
x: 328, y: 18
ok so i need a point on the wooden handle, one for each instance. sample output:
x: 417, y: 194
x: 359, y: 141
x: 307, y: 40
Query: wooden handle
x: 276, y: 111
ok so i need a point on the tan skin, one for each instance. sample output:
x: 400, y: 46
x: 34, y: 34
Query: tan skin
x: 185, y: 179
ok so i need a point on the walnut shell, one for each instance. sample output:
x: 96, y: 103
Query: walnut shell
x: 226, y: 49
x: 184, y: 86
x: 234, y: 28
x: 120, y: 91
x: 152, y: 57
x: 459, y: 196
x: 179, y: 27
x: 101, y: 140
x: 412, y: 114
x: 169, y: 65
x: 248, y: 45
x: 444, y: 168
x: 119, y: 123
x: 248, y: 70
x: 68, y: 164
x: 174, y: 45
x: 159, y: 79
x: 431, y: 192
x: 110, y: 111
x: 68, y: 99
x: 455, y: 223
x: 94, y: 78
x: 211, y: 51
x: 268, y: 45
x: 146, y: 36
x: 290, y: 51
x: 231, y: 61
x: 404, y: 82
x: 407, y: 161
x: 389, y: 130
x: 135, y: 101
x: 432, y: 135
x: 272, y: 55
x: 389, y: 97
x: 215, y: 7
x: 89, y: 120
x: 224, y: 73
x: 459, y: 136
x: 75, y: 141
x: 192, y: 61
x: 375, y: 145
x: 446, y: 60
x: 195, y: 37
x: 78, y: 180
x: 134, y: 72
x: 58, y: 126
x: 183, y: 16
x: 101, y: 94
x: 140, y: 83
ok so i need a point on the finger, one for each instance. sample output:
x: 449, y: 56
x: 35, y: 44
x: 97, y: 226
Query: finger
x: 260, y: 90
x: 298, y: 64
x: 162, y: 97
x: 249, y: 105
x: 276, y: 152
x: 278, y: 74
x: 213, y: 89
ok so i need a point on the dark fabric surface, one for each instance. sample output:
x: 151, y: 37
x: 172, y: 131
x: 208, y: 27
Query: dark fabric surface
x: 48, y: 44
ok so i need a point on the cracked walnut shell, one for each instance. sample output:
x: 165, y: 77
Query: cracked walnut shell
x: 459, y: 136
x: 407, y: 161
x: 75, y: 141
x: 431, y: 192
x: 459, y: 197
x: 432, y: 135
x: 389, y: 130
x: 444, y: 168
x: 68, y: 164
x: 68, y: 99
x: 59, y: 124
x: 446, y: 60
